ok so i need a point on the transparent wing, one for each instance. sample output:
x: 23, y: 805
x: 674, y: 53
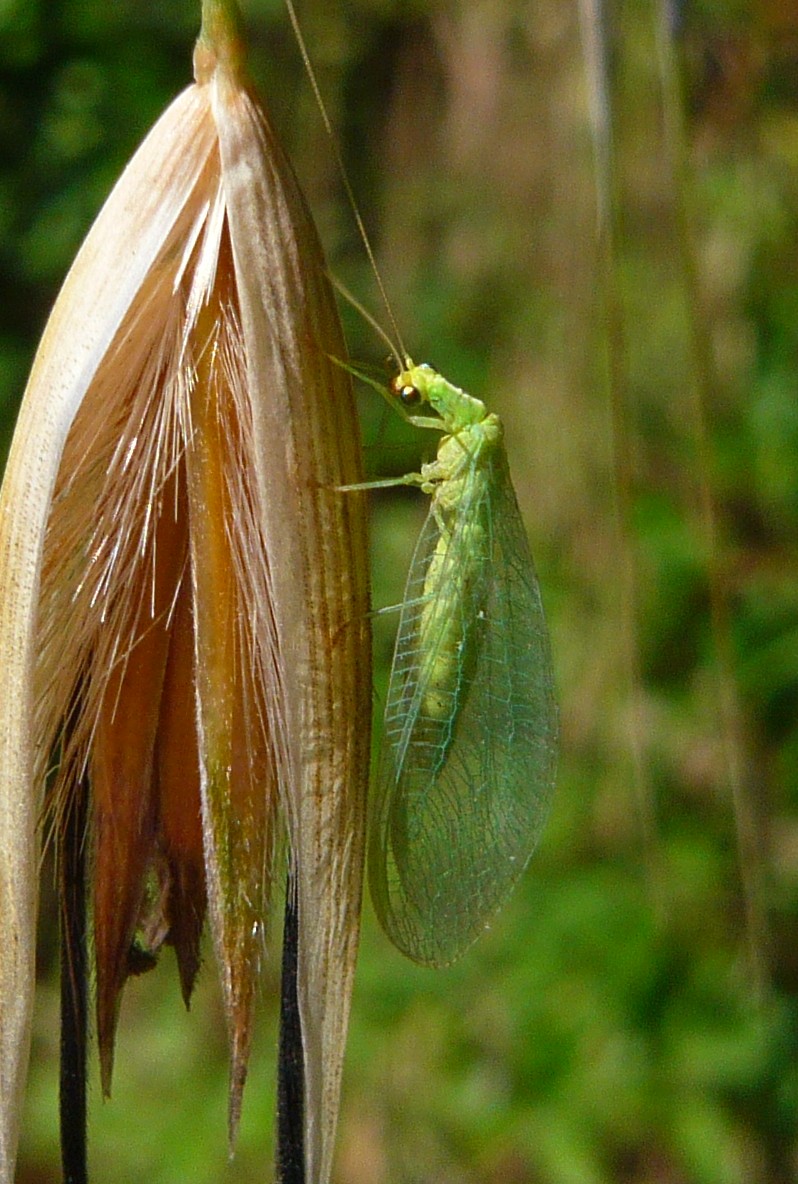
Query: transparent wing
x: 465, y: 776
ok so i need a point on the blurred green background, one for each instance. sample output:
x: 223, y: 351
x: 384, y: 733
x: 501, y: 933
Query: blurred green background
x: 632, y: 1015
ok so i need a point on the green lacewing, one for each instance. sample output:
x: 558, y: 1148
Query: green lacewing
x: 466, y: 769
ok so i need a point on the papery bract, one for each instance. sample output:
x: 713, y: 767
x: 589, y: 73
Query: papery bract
x: 183, y: 590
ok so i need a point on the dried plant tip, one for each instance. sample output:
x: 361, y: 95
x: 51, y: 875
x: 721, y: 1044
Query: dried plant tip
x: 53, y: 590
x: 178, y: 780
x: 238, y: 775
x: 183, y: 591
x: 121, y: 768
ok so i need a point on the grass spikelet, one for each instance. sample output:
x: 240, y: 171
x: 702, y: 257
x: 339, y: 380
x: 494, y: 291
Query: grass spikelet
x: 184, y: 591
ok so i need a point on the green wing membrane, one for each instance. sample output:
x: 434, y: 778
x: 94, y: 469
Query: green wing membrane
x: 467, y: 764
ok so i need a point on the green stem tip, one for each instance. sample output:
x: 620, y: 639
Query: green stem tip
x: 220, y: 43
